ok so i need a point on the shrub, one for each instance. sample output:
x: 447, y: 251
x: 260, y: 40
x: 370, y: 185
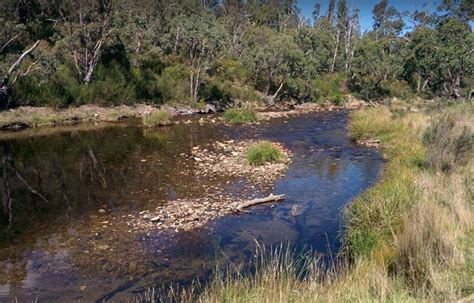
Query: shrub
x: 448, y: 142
x: 158, y: 118
x: 399, y: 89
x: 240, y: 115
x: 173, y: 84
x: 229, y: 69
x: 329, y: 88
x: 262, y: 152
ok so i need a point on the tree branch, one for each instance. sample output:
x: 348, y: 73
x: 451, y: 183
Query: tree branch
x: 15, y: 65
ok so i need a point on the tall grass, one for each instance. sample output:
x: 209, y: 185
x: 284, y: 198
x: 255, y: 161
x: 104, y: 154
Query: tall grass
x: 408, y: 239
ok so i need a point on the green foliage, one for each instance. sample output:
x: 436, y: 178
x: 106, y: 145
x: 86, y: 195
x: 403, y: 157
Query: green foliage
x: 262, y: 152
x: 240, y: 115
x: 329, y: 88
x: 399, y: 89
x: 158, y: 118
x: 183, y: 52
x: 173, y: 84
x: 229, y: 69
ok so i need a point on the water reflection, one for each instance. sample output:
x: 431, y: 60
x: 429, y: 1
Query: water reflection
x: 76, y: 244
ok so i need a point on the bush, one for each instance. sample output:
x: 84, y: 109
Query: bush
x: 448, y: 142
x: 173, y: 84
x: 240, y: 115
x: 399, y: 89
x: 158, y: 118
x: 228, y: 69
x: 263, y: 151
x: 329, y: 88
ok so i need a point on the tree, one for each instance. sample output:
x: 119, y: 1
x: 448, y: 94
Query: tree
x: 420, y: 65
x: 86, y: 30
x: 454, y: 56
x: 387, y: 20
x: 341, y: 29
x: 273, y: 58
x: 7, y: 83
x: 203, y: 40
x: 375, y: 62
x: 331, y: 7
x: 316, y: 11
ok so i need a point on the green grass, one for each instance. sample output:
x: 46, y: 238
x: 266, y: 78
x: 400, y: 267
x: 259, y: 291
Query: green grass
x: 158, y: 118
x: 262, y: 152
x: 240, y: 115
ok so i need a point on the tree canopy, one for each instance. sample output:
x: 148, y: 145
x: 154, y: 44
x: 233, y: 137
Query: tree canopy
x: 109, y: 52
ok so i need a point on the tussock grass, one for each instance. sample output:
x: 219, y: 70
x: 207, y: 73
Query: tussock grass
x: 408, y: 239
x: 158, y: 118
x: 240, y: 115
x: 450, y: 142
x: 263, y: 151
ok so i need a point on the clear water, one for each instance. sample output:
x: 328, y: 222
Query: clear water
x: 62, y: 249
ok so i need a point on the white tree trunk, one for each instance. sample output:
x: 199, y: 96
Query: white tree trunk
x: 335, y: 51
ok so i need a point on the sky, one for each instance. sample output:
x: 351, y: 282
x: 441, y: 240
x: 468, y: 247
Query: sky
x: 366, y: 7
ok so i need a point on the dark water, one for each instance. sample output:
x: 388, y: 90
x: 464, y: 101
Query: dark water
x: 72, y: 193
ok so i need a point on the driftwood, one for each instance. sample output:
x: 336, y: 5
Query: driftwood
x: 250, y: 203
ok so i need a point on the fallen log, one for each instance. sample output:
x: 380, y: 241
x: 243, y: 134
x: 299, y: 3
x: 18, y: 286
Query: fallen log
x: 250, y: 203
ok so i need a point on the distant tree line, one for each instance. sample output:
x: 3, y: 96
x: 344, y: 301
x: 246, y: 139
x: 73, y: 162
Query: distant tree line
x: 109, y: 52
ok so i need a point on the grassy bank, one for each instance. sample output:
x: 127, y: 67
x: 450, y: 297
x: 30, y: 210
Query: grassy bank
x: 407, y: 239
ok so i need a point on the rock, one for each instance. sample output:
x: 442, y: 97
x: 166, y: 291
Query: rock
x: 102, y: 247
x: 155, y: 219
x: 211, y: 108
x: 296, y: 210
x: 102, y: 211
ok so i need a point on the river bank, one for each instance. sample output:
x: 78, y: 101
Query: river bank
x: 35, y: 117
x: 407, y: 239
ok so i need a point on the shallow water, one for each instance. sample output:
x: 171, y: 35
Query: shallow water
x: 73, y: 243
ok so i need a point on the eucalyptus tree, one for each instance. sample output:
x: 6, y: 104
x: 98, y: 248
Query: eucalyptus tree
x: 273, y: 58
x: 84, y: 28
x: 454, y: 56
x: 203, y: 42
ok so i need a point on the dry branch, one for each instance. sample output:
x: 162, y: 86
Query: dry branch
x: 250, y: 203
x: 17, y: 62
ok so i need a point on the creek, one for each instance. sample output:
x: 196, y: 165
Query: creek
x: 70, y: 240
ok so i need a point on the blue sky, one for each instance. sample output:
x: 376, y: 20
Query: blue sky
x: 366, y: 7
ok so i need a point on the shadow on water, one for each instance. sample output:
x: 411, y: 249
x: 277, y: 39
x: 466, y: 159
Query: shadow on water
x: 64, y: 234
